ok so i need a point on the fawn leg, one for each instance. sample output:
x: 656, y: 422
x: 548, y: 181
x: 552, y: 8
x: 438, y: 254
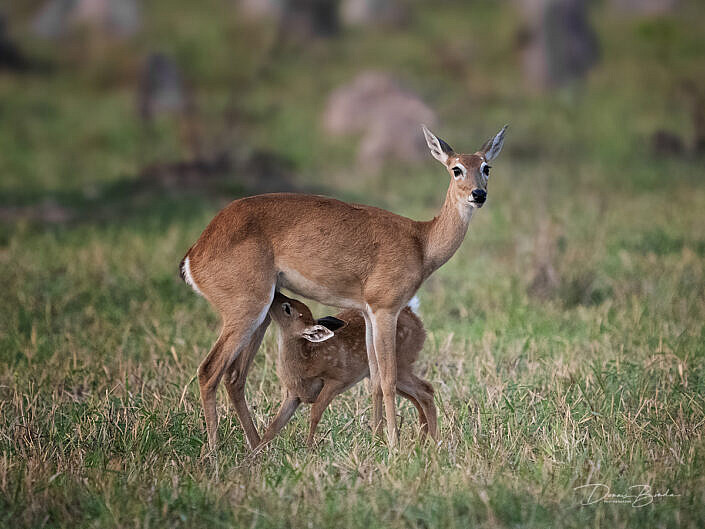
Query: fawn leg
x: 330, y: 389
x: 423, y: 422
x: 422, y: 392
x: 286, y: 412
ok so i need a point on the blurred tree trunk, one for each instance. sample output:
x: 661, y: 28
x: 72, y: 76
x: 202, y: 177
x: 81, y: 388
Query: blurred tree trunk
x: 297, y: 19
x: 646, y: 7
x: 557, y: 43
x: 315, y: 18
x: 11, y: 57
x: 374, y: 12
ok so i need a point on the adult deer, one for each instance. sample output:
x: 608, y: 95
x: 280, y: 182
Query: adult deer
x: 340, y: 254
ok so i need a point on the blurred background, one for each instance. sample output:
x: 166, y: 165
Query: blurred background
x: 125, y: 125
x: 120, y: 113
x: 114, y: 108
x: 105, y: 102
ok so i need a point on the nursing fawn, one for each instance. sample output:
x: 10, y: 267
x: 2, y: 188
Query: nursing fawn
x: 320, y: 359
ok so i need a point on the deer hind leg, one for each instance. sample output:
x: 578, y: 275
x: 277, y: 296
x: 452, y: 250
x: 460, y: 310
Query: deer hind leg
x: 384, y: 326
x: 235, y: 383
x: 422, y: 392
x: 235, y: 336
x: 375, y: 381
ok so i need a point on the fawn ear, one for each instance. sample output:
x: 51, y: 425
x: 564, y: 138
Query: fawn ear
x: 332, y: 323
x: 316, y: 333
x: 440, y: 150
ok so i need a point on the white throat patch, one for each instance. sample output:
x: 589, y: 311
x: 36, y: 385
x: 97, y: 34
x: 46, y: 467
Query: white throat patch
x: 189, y: 278
x: 465, y: 209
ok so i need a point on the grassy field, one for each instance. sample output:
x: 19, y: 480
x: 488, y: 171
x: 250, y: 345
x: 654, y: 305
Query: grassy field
x: 597, y: 380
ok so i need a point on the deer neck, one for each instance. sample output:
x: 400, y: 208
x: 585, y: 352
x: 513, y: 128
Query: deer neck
x: 293, y: 348
x: 289, y: 347
x: 445, y: 233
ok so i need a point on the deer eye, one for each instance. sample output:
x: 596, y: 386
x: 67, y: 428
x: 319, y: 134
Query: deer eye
x: 287, y: 308
x: 457, y: 172
x: 486, y: 169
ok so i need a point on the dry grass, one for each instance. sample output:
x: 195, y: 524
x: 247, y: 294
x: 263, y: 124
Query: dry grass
x: 600, y: 379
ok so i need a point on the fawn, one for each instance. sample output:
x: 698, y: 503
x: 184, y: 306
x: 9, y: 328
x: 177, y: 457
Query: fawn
x: 320, y: 359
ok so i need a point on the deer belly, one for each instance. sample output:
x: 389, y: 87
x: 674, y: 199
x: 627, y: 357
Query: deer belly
x: 328, y: 294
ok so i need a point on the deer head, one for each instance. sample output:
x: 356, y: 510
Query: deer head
x: 295, y: 320
x: 469, y: 172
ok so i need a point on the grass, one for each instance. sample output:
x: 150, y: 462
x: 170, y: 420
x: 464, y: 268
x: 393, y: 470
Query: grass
x: 601, y: 380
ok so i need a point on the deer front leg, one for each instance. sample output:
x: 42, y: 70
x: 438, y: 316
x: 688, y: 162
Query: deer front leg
x: 375, y: 381
x: 384, y: 328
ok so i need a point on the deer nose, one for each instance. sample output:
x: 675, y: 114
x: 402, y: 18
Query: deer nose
x: 479, y: 195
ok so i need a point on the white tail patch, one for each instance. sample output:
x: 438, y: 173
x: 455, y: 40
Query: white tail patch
x: 414, y: 305
x: 189, y: 278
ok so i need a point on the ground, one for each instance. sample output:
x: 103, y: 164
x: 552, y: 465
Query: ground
x: 543, y: 385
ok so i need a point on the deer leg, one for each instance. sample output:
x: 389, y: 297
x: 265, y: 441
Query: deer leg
x: 375, y: 381
x: 235, y: 383
x: 329, y: 391
x: 428, y: 405
x: 236, y: 334
x: 210, y: 372
x: 286, y: 412
x: 423, y: 422
x: 384, y: 326
x: 422, y: 391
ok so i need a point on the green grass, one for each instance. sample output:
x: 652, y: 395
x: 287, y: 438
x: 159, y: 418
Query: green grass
x: 602, y: 380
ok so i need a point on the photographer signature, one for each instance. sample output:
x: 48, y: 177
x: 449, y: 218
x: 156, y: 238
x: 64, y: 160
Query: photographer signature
x: 638, y: 495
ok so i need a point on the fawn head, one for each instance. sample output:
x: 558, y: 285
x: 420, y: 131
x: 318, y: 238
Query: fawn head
x: 295, y: 320
x: 469, y: 172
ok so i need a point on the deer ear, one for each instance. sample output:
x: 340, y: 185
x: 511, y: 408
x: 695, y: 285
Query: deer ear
x: 440, y: 150
x: 331, y: 323
x: 493, y: 146
x: 317, y: 333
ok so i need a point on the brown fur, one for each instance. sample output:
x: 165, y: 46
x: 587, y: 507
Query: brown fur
x: 316, y: 372
x: 340, y: 254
